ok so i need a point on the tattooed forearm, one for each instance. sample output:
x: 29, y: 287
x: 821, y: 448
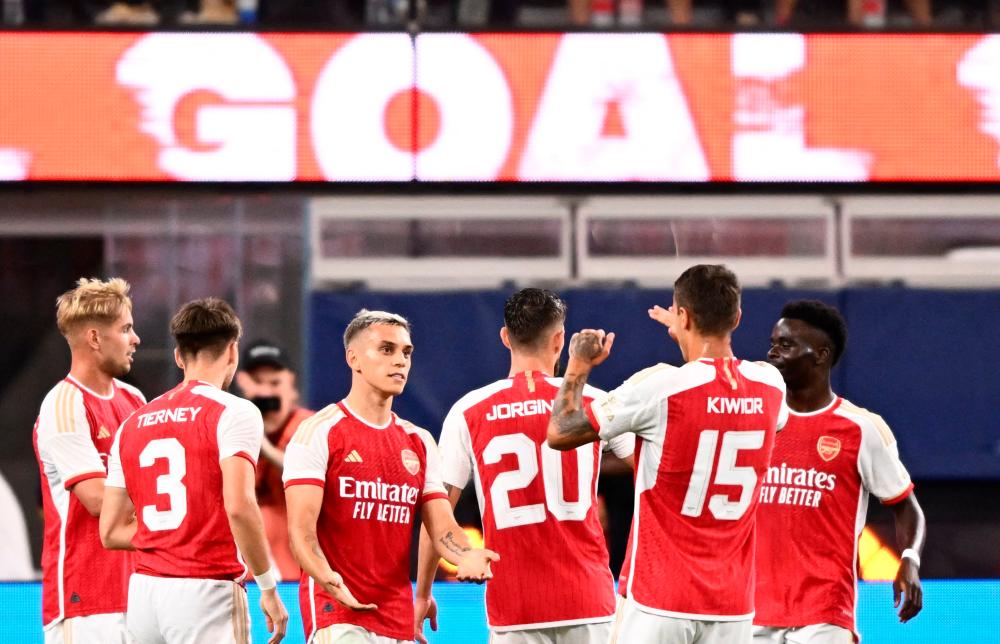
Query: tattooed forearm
x: 569, y: 425
x: 452, y: 546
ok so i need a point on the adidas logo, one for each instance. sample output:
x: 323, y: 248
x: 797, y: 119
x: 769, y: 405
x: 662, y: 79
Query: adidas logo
x: 354, y: 457
x: 103, y: 432
x: 74, y: 599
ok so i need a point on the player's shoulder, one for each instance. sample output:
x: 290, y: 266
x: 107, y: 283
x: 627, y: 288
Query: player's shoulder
x: 414, y: 431
x: 763, y: 372
x: 59, y: 409
x: 659, y: 373
x: 319, y: 424
x: 62, y: 394
x: 131, y: 390
x: 224, y: 398
x: 870, y: 424
x: 481, y: 395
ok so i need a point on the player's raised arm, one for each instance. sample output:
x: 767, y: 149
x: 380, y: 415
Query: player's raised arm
x: 911, y: 531
x: 569, y: 426
x: 453, y: 544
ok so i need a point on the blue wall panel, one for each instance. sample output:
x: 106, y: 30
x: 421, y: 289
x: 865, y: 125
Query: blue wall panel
x: 922, y: 359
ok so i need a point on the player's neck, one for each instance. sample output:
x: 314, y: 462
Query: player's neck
x: 371, y: 405
x: 519, y: 363
x: 92, y: 377
x: 810, y: 396
x: 212, y: 374
x: 708, y: 347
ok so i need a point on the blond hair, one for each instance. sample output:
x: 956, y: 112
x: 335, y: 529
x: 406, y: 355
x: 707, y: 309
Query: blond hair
x: 92, y: 300
x: 365, y: 318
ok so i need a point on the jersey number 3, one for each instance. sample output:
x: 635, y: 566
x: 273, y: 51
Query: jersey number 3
x: 527, y: 469
x: 171, y: 484
x: 727, y: 473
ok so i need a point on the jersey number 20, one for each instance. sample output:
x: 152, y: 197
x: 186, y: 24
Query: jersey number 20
x: 526, y: 452
x: 170, y: 484
x: 726, y: 473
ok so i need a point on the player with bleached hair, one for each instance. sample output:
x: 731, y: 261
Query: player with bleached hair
x: 356, y: 478
x: 84, y: 586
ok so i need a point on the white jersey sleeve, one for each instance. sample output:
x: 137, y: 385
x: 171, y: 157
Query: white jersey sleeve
x: 307, y: 455
x: 240, y: 430
x: 882, y: 473
x: 64, y: 438
x: 455, y: 449
x: 116, y: 475
x: 622, y: 445
x: 634, y: 407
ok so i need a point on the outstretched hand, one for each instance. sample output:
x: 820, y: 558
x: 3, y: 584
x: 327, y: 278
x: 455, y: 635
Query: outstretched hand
x: 339, y: 591
x: 424, y: 608
x: 475, y: 565
x: 591, y: 346
x: 667, y: 317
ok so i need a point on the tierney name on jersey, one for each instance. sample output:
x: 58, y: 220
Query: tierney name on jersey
x: 379, y: 499
x: 796, y: 486
x: 176, y: 415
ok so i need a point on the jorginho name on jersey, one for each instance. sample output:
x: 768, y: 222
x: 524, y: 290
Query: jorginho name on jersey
x: 72, y: 438
x: 374, y: 481
x: 539, y: 507
x: 813, y: 507
x: 167, y: 456
x: 707, y: 430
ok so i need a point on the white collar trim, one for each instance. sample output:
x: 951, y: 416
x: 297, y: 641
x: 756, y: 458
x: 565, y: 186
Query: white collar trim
x: 360, y: 418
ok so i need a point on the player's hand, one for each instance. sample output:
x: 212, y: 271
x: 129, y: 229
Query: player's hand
x: 339, y: 591
x: 274, y: 614
x: 907, y: 586
x: 591, y: 346
x: 475, y: 565
x: 424, y: 608
x: 667, y: 317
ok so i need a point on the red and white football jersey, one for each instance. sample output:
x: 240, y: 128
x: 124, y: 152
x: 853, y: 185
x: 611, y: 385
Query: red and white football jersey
x: 167, y: 456
x: 813, y: 506
x: 707, y: 431
x: 375, y: 480
x: 539, y: 506
x: 72, y: 439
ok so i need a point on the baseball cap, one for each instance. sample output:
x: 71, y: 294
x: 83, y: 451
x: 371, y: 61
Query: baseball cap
x: 264, y: 353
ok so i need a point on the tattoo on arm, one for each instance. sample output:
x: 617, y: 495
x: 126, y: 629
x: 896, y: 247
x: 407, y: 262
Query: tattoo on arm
x: 448, y: 541
x: 567, y: 410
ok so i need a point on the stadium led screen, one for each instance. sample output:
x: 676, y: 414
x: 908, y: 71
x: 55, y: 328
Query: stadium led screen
x: 499, y: 107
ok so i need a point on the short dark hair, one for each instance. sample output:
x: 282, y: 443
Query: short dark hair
x: 209, y: 324
x: 711, y: 294
x: 528, y: 313
x: 823, y: 317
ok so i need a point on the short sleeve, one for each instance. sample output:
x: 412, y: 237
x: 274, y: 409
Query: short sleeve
x: 240, y: 432
x: 882, y: 473
x: 307, y: 455
x: 116, y: 475
x: 64, y: 438
x: 634, y: 407
x: 622, y: 445
x: 455, y: 450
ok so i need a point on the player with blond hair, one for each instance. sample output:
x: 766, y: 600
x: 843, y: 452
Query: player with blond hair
x: 84, y: 585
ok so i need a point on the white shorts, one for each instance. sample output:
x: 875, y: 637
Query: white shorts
x: 106, y: 628
x: 634, y: 626
x: 167, y: 610
x: 575, y: 634
x: 814, y: 634
x: 350, y: 634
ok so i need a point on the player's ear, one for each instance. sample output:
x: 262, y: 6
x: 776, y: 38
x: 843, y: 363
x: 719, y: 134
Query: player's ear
x: 505, y: 337
x: 824, y: 354
x: 559, y: 340
x: 234, y: 353
x: 178, y: 360
x: 92, y: 336
x: 351, y: 358
x: 739, y: 316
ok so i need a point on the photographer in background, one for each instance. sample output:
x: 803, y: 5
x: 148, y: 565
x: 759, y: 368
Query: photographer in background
x: 267, y: 379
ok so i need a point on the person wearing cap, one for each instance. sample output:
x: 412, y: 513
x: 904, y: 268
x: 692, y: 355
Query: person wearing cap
x: 267, y: 379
